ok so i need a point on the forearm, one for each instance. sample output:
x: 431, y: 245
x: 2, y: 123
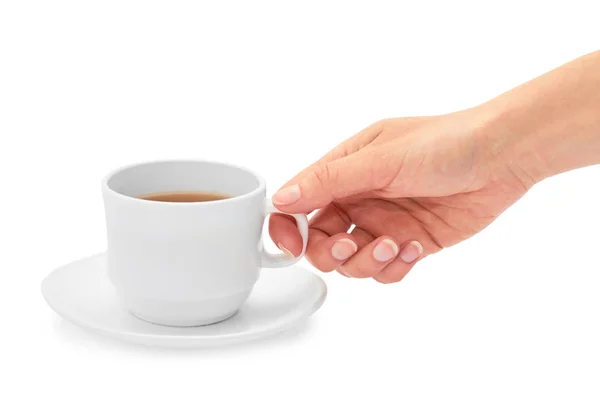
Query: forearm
x: 550, y: 124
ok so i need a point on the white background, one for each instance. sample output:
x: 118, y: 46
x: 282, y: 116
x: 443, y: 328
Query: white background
x: 86, y: 86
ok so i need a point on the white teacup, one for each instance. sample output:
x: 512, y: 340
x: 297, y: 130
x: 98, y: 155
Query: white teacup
x: 187, y: 264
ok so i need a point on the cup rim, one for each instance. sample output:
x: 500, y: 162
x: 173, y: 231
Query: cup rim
x: 108, y: 190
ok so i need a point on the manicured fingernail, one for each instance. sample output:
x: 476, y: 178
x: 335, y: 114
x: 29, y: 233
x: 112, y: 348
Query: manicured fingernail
x: 343, y: 249
x: 385, y: 250
x: 287, y: 195
x: 411, y: 252
x: 343, y: 273
x: 286, y: 251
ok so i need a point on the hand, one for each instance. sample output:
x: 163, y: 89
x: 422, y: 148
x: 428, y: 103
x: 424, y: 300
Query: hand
x: 411, y: 186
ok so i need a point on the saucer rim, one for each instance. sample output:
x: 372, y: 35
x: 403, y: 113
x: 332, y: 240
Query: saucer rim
x: 179, y: 341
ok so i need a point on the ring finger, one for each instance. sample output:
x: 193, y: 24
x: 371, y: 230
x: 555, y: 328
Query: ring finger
x: 371, y: 259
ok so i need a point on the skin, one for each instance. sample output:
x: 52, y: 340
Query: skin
x: 413, y: 186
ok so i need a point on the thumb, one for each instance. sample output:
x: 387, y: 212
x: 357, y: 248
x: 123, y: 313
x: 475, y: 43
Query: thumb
x: 360, y: 172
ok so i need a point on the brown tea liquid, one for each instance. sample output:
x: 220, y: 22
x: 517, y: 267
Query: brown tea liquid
x: 184, y: 197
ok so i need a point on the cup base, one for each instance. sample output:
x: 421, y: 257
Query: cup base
x: 184, y: 313
x: 183, y: 324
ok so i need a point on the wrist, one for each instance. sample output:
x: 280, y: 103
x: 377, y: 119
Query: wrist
x: 548, y: 125
x: 513, y: 146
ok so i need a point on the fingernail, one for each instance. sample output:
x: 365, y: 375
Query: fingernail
x: 287, y: 195
x: 286, y: 251
x: 385, y: 250
x: 343, y: 249
x: 411, y: 252
x: 343, y: 273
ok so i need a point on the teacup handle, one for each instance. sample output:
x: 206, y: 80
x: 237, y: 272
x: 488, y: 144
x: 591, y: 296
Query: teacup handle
x: 282, y: 260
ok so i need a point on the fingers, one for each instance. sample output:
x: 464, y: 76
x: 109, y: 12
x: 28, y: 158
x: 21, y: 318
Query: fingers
x: 395, y: 271
x: 327, y: 222
x: 348, y: 169
x: 328, y: 243
x: 331, y: 220
x: 362, y: 237
x: 359, y: 255
x: 370, y: 260
x: 363, y: 171
x: 328, y: 253
x: 346, y: 148
x: 285, y: 235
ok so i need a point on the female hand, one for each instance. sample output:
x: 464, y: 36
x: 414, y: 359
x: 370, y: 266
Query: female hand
x: 411, y: 186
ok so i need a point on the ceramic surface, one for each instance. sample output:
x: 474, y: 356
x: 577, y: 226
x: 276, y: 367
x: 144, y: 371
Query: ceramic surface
x: 82, y: 293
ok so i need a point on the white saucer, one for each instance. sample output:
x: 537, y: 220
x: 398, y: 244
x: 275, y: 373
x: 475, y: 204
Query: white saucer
x: 81, y: 293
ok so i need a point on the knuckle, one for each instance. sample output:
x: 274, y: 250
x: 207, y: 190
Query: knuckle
x: 381, y: 125
x: 323, y: 174
x: 385, y: 169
